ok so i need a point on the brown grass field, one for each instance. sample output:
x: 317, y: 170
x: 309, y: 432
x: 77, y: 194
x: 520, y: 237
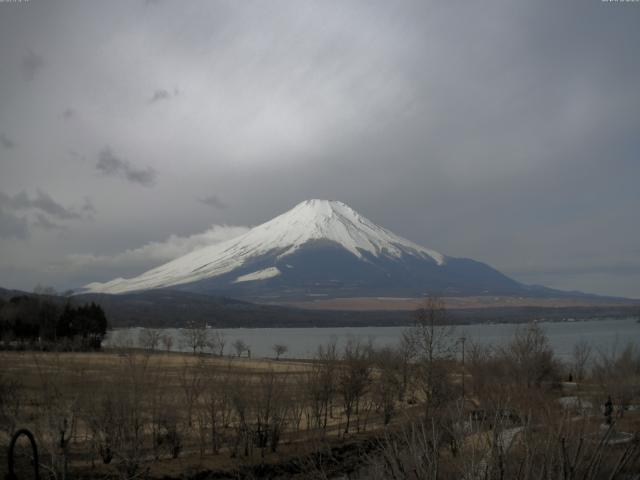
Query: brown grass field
x: 411, y: 304
x: 174, y: 415
x: 70, y: 385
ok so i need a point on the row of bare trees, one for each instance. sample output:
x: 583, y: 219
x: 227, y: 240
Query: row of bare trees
x: 196, y: 339
x: 140, y: 407
x: 193, y: 338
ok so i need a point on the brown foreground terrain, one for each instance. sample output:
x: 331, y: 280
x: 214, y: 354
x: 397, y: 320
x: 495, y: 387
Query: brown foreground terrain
x: 413, y: 413
x: 170, y: 412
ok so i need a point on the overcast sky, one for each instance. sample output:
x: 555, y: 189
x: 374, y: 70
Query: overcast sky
x: 134, y: 131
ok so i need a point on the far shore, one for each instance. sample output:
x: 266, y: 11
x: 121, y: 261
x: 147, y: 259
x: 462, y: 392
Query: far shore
x: 402, y: 303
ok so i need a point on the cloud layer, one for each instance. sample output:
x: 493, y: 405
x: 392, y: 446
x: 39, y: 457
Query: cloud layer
x: 153, y: 254
x: 493, y: 130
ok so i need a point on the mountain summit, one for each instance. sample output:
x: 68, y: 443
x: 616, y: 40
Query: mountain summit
x: 318, y: 248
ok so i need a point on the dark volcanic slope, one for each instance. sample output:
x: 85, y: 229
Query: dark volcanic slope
x: 325, y: 269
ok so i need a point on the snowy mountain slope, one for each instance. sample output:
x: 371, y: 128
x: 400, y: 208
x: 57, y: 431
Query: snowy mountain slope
x: 319, y: 247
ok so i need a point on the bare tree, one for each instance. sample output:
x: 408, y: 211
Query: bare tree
x: 128, y: 415
x: 432, y: 342
x: 149, y: 339
x: 432, y: 335
x: 387, y: 386
x: 405, y: 355
x: 269, y: 409
x: 563, y: 448
x: 279, y: 349
x: 354, y: 377
x: 191, y: 380
x: 579, y: 359
x: 59, y: 413
x: 217, y: 404
x: 531, y: 357
x: 194, y: 337
x: 241, y: 402
x: 240, y: 347
x: 167, y: 342
x: 618, y: 373
x: 321, y: 385
x: 217, y: 342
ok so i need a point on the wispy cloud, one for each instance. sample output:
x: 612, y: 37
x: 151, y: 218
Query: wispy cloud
x: 13, y: 226
x: 153, y: 253
x: 88, y: 207
x: 44, y: 222
x: 42, y: 209
x: 110, y: 164
x: 162, y: 94
x: 42, y: 201
x: 213, y: 201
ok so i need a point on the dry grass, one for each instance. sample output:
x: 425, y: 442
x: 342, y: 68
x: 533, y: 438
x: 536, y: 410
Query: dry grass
x: 75, y: 385
x: 82, y: 381
x: 411, y: 304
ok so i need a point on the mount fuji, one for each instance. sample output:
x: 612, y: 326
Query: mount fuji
x: 319, y: 248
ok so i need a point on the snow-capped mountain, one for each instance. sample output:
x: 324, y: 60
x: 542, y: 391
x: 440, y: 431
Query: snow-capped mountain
x: 318, y: 248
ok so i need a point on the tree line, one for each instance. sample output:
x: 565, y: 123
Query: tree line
x: 51, y: 322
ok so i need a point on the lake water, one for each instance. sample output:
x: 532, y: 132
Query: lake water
x: 605, y: 335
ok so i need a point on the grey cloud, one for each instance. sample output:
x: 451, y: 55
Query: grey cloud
x: 522, y: 150
x: 110, y: 164
x: 13, y: 226
x: 42, y: 209
x: 88, y: 206
x: 42, y: 201
x: 152, y: 253
x: 68, y: 113
x: 6, y: 142
x: 213, y: 201
x: 43, y: 221
x: 32, y: 63
x: 163, y: 94
x: 160, y: 94
x: 47, y: 204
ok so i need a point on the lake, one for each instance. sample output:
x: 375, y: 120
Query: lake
x: 605, y: 335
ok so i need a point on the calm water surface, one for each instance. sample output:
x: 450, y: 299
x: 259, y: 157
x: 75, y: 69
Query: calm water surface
x: 606, y: 335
